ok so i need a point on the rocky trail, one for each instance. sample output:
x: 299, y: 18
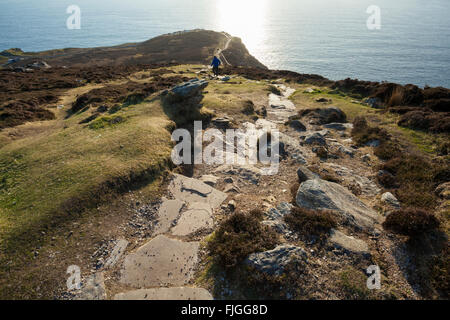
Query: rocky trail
x: 164, y: 265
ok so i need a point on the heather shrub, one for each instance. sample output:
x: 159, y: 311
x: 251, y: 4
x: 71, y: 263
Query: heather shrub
x: 411, y: 222
x: 308, y: 223
x: 239, y: 236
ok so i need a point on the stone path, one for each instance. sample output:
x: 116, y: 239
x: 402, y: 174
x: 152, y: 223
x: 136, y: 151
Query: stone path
x: 163, y: 267
x: 160, y: 268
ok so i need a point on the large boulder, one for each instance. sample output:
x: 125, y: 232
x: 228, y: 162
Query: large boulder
x: 320, y: 194
x: 274, y: 261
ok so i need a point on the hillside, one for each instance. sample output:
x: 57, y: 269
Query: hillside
x: 86, y: 179
x: 195, y: 47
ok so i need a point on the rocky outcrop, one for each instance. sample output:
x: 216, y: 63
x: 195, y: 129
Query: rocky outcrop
x: 321, y: 116
x: 188, y: 89
x: 319, y: 194
x: 274, y: 261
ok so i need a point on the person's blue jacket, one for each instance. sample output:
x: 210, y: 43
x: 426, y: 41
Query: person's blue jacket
x: 216, y: 62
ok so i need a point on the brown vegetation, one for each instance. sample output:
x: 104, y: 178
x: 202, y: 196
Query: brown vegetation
x: 309, y: 223
x: 128, y: 93
x: 240, y: 235
x: 411, y: 222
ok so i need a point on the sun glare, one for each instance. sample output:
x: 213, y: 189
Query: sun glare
x: 244, y: 19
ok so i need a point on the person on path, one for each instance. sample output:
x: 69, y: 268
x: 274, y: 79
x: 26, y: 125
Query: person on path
x: 215, y: 64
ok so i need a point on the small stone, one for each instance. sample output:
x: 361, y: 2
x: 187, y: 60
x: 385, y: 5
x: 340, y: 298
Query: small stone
x: 232, y: 205
x: 209, y: 179
x: 443, y: 191
x: 389, y: 199
x: 373, y: 143
x: 228, y: 180
x: 366, y: 158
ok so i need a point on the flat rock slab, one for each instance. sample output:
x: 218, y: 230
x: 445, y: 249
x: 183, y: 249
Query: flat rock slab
x: 116, y: 253
x: 320, y: 194
x: 168, y: 212
x: 348, y: 243
x: 93, y: 288
x: 160, y: 262
x: 177, y: 293
x: 197, y: 217
x: 192, y: 190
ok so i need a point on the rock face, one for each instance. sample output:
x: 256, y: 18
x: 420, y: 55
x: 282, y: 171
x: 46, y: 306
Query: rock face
x: 191, y: 190
x: 347, y: 243
x: 188, y: 89
x: 274, y: 261
x: 176, y: 293
x: 319, y: 194
x: 160, y: 262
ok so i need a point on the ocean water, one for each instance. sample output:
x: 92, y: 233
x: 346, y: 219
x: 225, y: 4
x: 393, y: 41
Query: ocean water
x: 326, y: 37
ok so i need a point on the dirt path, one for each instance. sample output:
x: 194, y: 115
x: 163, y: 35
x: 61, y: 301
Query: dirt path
x: 220, y: 51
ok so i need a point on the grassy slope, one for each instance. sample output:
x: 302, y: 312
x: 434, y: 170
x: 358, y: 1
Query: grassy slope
x: 48, y: 176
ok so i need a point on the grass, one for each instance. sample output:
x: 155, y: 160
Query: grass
x: 352, y: 283
x: 231, y: 98
x: 49, y: 178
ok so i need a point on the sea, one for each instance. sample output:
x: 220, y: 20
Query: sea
x: 403, y: 41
